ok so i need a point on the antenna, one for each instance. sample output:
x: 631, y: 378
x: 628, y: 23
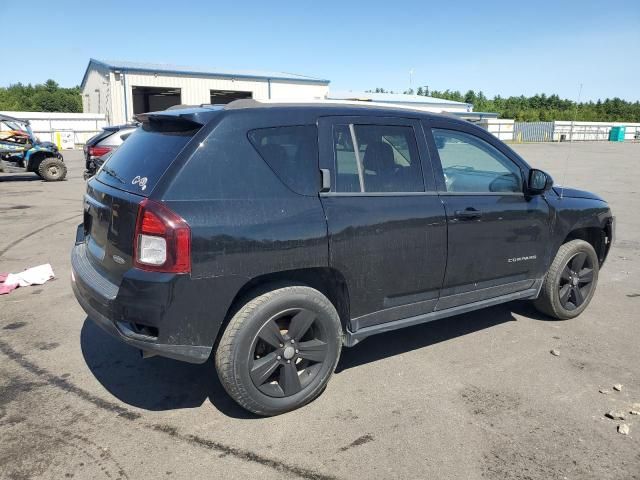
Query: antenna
x: 566, y: 161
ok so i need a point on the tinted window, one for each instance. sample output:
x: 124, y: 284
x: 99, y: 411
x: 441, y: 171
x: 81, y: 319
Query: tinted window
x: 147, y: 153
x: 292, y: 153
x: 116, y: 138
x: 226, y: 166
x: 99, y: 136
x: 376, y: 158
x: 471, y: 164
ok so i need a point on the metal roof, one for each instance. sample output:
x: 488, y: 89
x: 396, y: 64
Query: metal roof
x: 212, y: 72
x: 392, y: 98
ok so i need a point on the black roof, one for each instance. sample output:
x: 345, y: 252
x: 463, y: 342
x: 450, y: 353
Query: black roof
x: 204, y: 113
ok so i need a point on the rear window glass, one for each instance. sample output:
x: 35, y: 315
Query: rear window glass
x: 116, y: 138
x: 99, y: 136
x: 292, y: 153
x: 140, y: 161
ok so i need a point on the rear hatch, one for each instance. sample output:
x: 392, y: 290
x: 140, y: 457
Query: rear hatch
x: 94, y: 140
x: 115, y: 193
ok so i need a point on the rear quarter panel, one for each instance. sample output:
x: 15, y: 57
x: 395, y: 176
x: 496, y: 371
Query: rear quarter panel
x: 244, y: 221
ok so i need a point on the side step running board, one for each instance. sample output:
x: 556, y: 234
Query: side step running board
x: 352, y: 338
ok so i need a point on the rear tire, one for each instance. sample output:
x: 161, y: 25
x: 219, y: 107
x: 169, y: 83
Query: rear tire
x: 570, y: 282
x: 279, y: 350
x: 52, y: 169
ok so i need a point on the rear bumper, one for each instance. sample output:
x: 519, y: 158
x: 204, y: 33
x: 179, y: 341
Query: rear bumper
x: 106, y: 304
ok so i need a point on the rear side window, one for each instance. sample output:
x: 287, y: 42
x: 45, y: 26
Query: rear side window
x: 140, y: 162
x: 292, y: 153
x: 116, y: 138
x: 99, y: 136
x: 376, y: 158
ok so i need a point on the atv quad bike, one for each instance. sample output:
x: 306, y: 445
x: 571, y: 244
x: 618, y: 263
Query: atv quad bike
x: 18, y: 145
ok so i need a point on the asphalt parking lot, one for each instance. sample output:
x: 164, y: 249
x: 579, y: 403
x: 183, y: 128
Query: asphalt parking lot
x: 474, y: 396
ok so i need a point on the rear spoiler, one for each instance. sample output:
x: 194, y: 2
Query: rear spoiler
x: 187, y: 118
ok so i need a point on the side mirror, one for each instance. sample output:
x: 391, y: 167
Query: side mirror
x: 539, y: 181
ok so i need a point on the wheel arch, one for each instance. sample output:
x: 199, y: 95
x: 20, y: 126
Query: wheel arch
x: 328, y: 281
x: 35, y: 158
x: 597, y: 236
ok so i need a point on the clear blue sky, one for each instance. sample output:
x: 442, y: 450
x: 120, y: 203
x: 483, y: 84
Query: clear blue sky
x: 506, y: 48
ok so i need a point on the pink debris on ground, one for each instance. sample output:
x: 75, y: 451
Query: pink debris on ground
x: 31, y: 276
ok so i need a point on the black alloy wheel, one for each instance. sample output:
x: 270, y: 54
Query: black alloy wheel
x: 576, y: 281
x: 279, y: 349
x: 570, y: 282
x: 287, y: 353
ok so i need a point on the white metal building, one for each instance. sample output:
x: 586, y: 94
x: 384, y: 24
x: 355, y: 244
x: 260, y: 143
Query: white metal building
x: 119, y: 90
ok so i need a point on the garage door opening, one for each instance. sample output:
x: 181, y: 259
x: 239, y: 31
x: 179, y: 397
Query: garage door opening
x: 226, y: 96
x: 153, y: 99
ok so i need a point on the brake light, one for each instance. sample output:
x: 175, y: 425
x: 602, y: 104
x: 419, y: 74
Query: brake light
x: 162, y: 240
x: 98, y: 151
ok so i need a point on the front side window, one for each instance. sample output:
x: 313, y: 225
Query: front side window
x: 292, y: 153
x: 376, y: 158
x: 471, y: 164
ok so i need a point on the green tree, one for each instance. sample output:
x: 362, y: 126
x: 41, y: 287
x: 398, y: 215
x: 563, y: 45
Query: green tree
x: 470, y: 97
x: 539, y: 107
x: 47, y: 97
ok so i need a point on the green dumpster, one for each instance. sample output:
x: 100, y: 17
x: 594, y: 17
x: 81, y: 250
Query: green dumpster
x: 616, y: 134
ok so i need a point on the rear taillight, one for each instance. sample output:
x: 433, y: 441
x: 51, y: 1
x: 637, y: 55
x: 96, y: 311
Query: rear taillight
x: 162, y: 240
x: 98, y: 151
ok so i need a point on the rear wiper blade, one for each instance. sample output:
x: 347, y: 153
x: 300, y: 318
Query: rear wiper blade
x: 110, y: 172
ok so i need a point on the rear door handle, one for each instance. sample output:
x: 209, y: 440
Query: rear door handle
x: 468, y: 213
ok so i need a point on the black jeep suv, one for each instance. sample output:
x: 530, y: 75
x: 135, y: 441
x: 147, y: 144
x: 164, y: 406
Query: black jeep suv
x: 274, y: 234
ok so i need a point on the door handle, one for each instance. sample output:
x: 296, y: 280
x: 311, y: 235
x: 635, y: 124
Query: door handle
x: 325, y: 176
x: 468, y: 213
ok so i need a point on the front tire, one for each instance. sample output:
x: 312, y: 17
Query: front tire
x: 279, y: 350
x: 570, y: 282
x: 52, y: 169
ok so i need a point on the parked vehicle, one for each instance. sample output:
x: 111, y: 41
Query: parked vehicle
x: 272, y: 235
x: 108, y: 140
x: 96, y: 163
x: 18, y: 145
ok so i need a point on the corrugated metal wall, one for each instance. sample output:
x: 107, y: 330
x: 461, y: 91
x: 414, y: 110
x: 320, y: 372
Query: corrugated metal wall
x: 533, y: 131
x: 195, y: 90
x: 96, y: 93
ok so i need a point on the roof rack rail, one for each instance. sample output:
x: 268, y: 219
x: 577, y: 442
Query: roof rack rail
x: 242, y: 103
x: 180, y: 107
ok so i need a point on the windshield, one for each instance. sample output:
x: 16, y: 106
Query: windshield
x: 16, y: 126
